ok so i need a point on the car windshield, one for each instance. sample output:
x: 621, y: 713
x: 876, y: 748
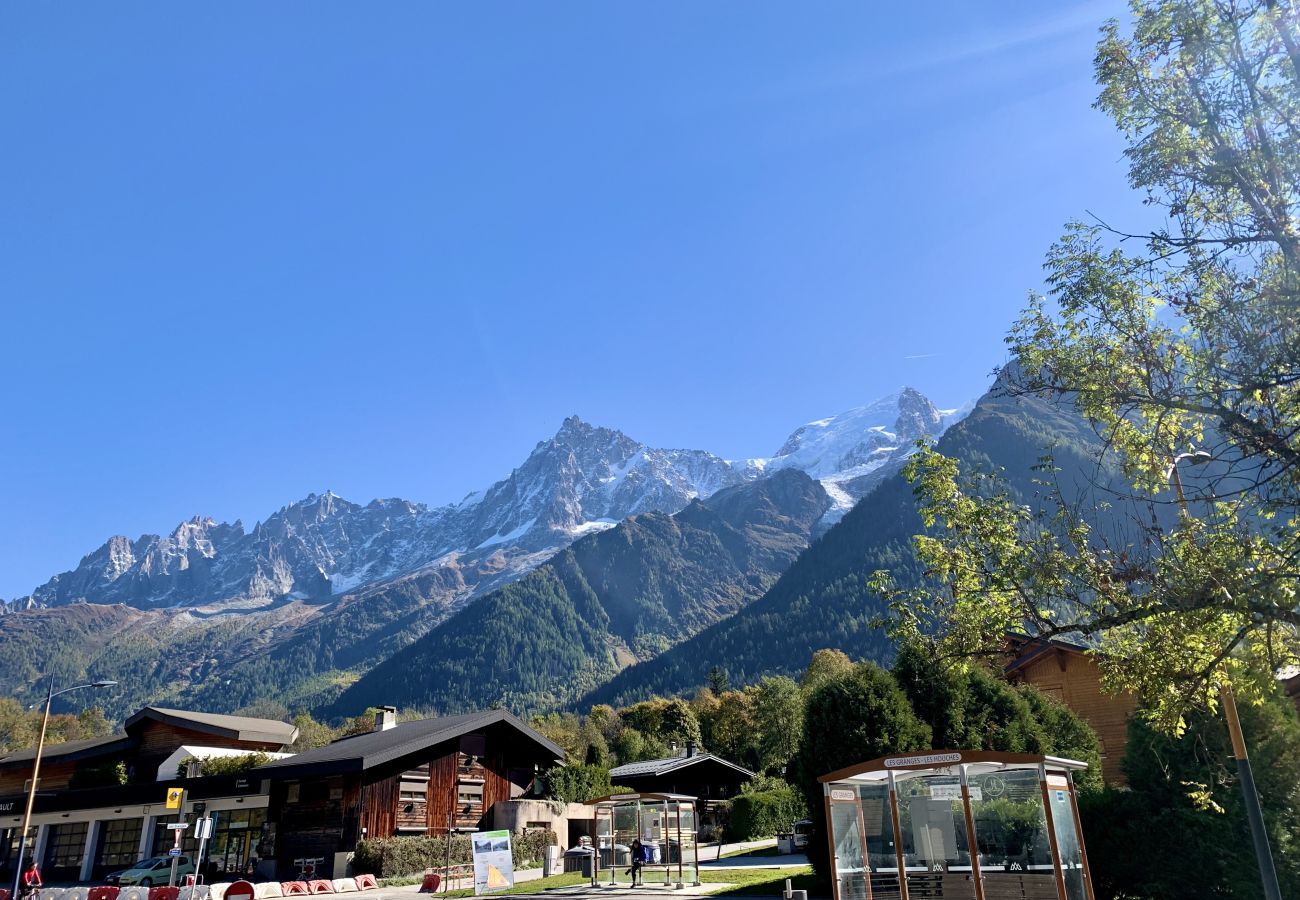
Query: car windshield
x: 147, y: 863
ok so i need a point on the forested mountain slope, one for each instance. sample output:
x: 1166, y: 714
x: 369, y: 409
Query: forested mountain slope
x: 603, y: 603
x: 823, y: 600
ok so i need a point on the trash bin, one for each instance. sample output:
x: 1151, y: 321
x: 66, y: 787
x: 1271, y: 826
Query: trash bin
x: 578, y: 859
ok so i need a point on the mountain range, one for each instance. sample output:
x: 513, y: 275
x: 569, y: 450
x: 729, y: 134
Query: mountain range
x: 308, y: 600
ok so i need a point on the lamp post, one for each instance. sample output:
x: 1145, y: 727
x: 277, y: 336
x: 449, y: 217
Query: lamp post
x: 36, y: 771
x: 1263, y: 855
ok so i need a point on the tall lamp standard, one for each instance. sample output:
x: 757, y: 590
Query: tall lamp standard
x: 36, y: 771
x: 1263, y: 855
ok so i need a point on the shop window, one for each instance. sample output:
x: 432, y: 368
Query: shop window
x: 66, y: 845
x: 119, y: 842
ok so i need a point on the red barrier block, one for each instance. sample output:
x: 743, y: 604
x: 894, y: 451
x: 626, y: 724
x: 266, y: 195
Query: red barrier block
x: 366, y: 883
x: 103, y: 892
x: 290, y: 888
x: 321, y: 886
x: 162, y: 892
x: 4, y: 893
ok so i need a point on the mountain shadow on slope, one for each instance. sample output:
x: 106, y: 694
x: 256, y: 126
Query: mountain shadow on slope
x: 823, y: 600
x: 606, y: 601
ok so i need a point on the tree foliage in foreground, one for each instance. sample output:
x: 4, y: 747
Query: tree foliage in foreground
x: 1179, y: 346
x: 1183, y: 808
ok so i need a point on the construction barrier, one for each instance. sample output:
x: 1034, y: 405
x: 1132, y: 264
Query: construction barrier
x: 75, y: 893
x: 367, y: 882
x: 345, y: 885
x: 162, y: 892
x: 321, y: 886
x: 268, y: 890
x: 133, y: 893
x: 290, y: 888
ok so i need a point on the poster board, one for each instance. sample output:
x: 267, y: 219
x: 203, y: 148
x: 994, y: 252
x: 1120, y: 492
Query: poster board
x: 494, y: 869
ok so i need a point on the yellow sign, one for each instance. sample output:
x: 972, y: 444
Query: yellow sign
x: 495, y: 880
x: 174, y: 796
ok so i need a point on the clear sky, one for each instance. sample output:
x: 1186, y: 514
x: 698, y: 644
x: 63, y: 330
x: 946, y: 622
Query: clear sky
x: 253, y: 250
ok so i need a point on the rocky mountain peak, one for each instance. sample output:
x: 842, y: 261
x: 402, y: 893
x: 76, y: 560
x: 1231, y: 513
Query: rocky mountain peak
x: 917, y: 416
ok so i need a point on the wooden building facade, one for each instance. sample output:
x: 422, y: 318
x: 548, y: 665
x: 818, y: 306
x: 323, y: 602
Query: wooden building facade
x: 1068, y: 673
x: 417, y: 778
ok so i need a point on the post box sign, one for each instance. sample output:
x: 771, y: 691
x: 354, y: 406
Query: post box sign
x: 174, y: 796
x: 493, y: 867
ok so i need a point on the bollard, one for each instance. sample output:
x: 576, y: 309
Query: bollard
x: 798, y: 895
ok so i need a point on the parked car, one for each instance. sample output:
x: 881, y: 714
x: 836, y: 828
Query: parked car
x: 156, y: 870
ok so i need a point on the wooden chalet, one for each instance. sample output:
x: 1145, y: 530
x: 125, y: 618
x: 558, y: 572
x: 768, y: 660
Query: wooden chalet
x: 1068, y: 673
x: 415, y: 778
x: 710, y: 779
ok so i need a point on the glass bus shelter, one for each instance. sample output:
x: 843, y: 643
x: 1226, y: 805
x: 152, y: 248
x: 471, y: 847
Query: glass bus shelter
x: 666, y: 825
x: 957, y: 825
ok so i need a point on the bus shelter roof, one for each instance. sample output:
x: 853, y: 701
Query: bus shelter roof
x: 879, y: 769
x: 632, y: 797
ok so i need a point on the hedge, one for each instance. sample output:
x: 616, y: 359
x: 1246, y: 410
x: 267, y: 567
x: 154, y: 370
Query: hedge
x: 398, y: 856
x: 763, y: 814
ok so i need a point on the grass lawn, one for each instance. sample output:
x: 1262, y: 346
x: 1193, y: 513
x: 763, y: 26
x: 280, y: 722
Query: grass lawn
x: 761, y: 851
x: 758, y: 882
x: 568, y: 879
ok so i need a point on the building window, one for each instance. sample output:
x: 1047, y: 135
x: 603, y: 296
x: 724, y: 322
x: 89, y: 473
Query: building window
x: 119, y: 843
x: 66, y: 846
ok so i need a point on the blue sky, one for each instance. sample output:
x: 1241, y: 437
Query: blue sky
x: 251, y: 251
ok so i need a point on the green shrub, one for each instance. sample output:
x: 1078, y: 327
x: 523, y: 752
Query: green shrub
x: 578, y: 784
x: 762, y: 813
x: 103, y: 775
x: 224, y: 765
x: 397, y: 857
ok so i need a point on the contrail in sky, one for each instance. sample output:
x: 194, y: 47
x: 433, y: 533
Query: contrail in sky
x: 921, y: 356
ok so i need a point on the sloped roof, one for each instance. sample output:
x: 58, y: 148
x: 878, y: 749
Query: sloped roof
x: 240, y: 728
x: 671, y: 764
x: 374, y: 748
x: 71, y: 749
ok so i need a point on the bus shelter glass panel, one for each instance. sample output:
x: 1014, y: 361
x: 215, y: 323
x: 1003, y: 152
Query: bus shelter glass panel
x: 683, y: 842
x: 1015, y: 851
x: 614, y: 845
x: 848, y: 849
x: 936, y: 847
x: 1060, y: 800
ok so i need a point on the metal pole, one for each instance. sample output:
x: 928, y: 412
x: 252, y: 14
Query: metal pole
x: 31, y: 794
x: 1259, y: 835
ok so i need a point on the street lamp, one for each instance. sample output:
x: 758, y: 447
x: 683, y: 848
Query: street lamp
x: 36, y: 771
x: 1263, y: 855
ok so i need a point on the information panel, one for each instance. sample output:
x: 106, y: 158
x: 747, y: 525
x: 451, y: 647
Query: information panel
x: 494, y: 870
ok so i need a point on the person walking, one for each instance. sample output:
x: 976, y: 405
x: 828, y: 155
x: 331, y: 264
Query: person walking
x: 31, y: 881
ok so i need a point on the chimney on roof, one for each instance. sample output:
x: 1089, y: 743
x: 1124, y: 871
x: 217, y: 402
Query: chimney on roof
x: 385, y: 718
x: 690, y: 749
x: 672, y: 748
